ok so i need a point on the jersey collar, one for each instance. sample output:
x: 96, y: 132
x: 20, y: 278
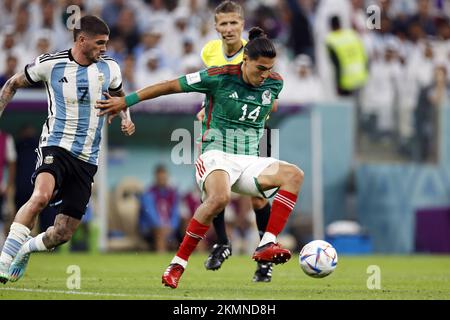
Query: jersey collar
x: 230, y: 58
x: 71, y: 58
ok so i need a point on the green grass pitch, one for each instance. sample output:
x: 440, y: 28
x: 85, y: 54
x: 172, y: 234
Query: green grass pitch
x: 138, y: 276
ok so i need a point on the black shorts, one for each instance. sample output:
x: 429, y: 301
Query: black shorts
x: 73, y: 179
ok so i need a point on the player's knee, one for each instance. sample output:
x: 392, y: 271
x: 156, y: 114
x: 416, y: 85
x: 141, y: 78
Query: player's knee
x: 39, y: 200
x: 218, y: 202
x: 295, y: 175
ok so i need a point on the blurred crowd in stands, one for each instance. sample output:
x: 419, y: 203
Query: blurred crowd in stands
x: 406, y: 44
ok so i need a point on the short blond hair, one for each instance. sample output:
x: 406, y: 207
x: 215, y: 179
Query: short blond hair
x: 228, y: 7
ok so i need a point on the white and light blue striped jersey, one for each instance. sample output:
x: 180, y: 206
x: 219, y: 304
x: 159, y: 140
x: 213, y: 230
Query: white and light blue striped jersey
x: 72, y: 90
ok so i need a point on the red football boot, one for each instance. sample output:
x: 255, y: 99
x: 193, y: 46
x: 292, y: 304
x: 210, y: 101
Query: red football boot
x: 172, y: 275
x: 271, y: 252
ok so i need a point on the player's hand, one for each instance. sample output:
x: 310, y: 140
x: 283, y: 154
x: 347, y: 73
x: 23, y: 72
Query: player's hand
x: 201, y: 115
x: 112, y: 105
x: 128, y: 127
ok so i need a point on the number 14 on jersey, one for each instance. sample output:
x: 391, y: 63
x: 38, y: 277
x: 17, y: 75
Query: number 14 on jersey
x: 252, y: 115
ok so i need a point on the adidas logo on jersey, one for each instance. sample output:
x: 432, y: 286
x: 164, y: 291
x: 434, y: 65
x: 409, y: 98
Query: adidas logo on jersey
x: 234, y: 95
x: 63, y: 79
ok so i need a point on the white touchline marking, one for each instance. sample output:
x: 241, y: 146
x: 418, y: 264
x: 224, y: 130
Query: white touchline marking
x: 87, y: 293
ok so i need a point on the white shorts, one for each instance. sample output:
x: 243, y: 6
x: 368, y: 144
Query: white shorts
x: 242, y: 169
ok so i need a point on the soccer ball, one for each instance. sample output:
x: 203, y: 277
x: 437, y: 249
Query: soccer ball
x: 318, y: 259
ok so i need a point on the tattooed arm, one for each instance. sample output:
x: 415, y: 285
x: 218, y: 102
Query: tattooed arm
x: 8, y: 91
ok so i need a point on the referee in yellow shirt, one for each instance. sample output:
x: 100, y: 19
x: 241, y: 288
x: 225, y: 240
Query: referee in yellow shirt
x: 229, y: 23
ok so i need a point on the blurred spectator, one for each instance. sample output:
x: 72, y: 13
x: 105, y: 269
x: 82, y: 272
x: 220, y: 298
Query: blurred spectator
x: 10, y: 70
x: 160, y: 216
x: 358, y: 17
x: 117, y: 49
x: 152, y: 71
x: 126, y: 28
x: 418, y: 74
x: 150, y: 39
x: 424, y: 18
x: 376, y: 41
x: 267, y: 18
x: 379, y: 111
x: 8, y: 157
x: 300, y: 39
x: 129, y: 74
x: 42, y: 43
x: 9, y: 47
x: 46, y: 14
x: 8, y: 9
x: 112, y: 10
x: 427, y: 115
x: 190, y: 60
x: 22, y: 32
x: 304, y: 85
x: 172, y: 40
x: 154, y: 13
x: 321, y: 28
x: 348, y: 56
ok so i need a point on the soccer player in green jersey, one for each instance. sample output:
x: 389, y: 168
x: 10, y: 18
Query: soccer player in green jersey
x: 238, y: 100
x: 229, y: 49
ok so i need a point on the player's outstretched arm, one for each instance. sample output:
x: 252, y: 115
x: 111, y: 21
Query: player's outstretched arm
x: 113, y: 105
x: 19, y: 80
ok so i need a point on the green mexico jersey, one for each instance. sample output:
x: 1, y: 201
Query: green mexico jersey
x: 235, y: 111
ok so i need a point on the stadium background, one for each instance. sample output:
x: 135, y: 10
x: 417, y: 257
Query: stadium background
x: 387, y: 195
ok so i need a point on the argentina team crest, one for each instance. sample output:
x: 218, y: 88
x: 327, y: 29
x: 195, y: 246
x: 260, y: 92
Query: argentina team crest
x: 48, y: 160
x: 266, y: 97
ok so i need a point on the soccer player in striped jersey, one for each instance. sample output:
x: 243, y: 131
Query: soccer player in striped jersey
x: 238, y: 100
x: 69, y: 144
x: 229, y: 23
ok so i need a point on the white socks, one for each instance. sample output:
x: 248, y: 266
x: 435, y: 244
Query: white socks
x: 180, y: 261
x: 34, y: 244
x: 18, y: 234
x: 267, y: 237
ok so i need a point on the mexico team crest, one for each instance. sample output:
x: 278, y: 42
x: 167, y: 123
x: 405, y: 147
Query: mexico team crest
x: 266, y: 97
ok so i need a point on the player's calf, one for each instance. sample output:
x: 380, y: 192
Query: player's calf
x: 56, y: 236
